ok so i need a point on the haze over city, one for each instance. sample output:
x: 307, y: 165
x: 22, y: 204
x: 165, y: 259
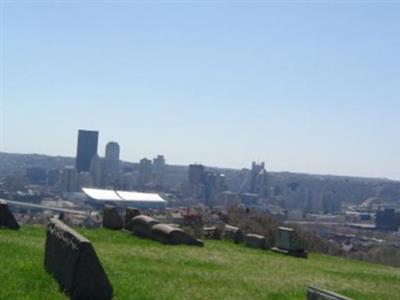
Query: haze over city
x: 197, y: 149
x: 306, y: 88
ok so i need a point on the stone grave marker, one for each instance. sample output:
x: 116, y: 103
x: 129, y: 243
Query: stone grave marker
x: 73, y: 262
x: 314, y: 293
x: 211, y: 233
x: 141, y: 225
x: 130, y: 213
x: 167, y: 234
x: 111, y: 218
x: 255, y: 241
x: 229, y: 232
x: 289, y: 243
x: 7, y: 219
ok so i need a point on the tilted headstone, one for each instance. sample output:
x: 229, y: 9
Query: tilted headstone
x: 141, y: 226
x: 211, y: 233
x: 314, y: 293
x: 7, y: 219
x: 111, y: 218
x: 73, y: 262
x: 255, y: 241
x: 167, y: 234
x: 231, y: 233
x: 130, y: 213
x: 288, y: 242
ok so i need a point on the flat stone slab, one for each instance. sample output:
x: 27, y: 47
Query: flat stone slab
x: 301, y: 254
x: 314, y: 293
x: 73, y: 262
x: 111, y: 218
x: 7, y: 219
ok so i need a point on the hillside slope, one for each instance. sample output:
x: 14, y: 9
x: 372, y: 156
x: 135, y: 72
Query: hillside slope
x: 142, y: 269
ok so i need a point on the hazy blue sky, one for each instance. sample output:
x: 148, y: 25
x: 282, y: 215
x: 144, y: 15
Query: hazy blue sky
x: 308, y: 87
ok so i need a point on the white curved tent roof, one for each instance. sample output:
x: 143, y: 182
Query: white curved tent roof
x: 103, y: 195
x: 111, y: 195
x: 137, y: 196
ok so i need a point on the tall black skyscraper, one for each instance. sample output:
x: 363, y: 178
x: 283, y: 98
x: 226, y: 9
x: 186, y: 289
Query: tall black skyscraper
x: 87, y: 148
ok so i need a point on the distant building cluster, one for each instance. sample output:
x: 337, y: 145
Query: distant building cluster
x: 91, y: 170
x: 205, y: 186
x: 358, y: 203
x: 253, y: 187
x: 354, y: 214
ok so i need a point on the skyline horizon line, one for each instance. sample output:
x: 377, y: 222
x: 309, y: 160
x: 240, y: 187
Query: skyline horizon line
x: 221, y: 167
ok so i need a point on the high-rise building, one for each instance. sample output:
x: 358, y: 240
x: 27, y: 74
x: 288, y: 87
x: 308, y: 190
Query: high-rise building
x: 205, y: 185
x: 111, y: 164
x: 159, y: 163
x: 159, y: 169
x: 111, y: 161
x: 214, y: 185
x: 145, y: 171
x: 69, y: 180
x: 196, y: 174
x: 96, y: 171
x: 112, y: 154
x: 87, y: 148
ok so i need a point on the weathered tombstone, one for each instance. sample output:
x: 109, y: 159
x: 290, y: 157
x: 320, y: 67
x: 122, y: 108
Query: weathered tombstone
x: 231, y: 233
x: 7, y: 219
x: 111, y: 218
x: 167, y: 234
x: 255, y: 241
x: 314, y: 293
x: 71, y: 259
x: 130, y: 213
x: 141, y: 226
x: 211, y: 233
x: 289, y: 243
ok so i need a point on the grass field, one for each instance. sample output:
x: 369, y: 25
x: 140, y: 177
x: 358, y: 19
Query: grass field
x: 142, y: 269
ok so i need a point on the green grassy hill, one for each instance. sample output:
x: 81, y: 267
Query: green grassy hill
x: 142, y: 269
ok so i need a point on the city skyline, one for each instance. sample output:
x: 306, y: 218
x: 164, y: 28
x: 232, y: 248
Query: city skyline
x: 308, y: 88
x: 98, y: 154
